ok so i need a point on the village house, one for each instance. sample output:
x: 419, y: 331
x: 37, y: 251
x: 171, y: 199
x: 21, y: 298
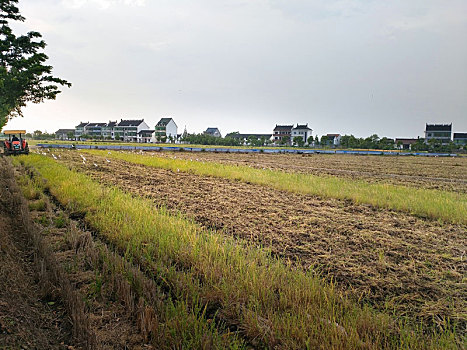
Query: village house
x: 65, y: 134
x: 127, y: 130
x: 145, y: 136
x: 108, y: 130
x: 438, y: 132
x: 460, y: 138
x: 213, y: 132
x: 282, y: 133
x: 334, y: 139
x: 404, y: 144
x: 165, y: 129
x: 79, y: 129
x: 94, y: 129
x: 302, y: 131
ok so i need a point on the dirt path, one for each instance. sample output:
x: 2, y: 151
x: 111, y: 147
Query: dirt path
x: 27, y: 320
x: 396, y: 261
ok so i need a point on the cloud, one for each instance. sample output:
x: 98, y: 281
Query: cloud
x: 348, y: 66
x: 102, y: 4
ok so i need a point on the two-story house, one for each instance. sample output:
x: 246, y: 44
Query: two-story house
x: 334, y: 139
x: 64, y: 134
x: 282, y: 134
x: 127, y: 130
x: 80, y: 129
x: 108, y: 130
x: 94, y: 129
x: 145, y: 136
x: 438, y: 132
x: 302, y: 131
x: 165, y: 129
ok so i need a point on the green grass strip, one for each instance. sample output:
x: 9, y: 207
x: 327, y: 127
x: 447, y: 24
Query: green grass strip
x: 434, y: 204
x: 271, y: 304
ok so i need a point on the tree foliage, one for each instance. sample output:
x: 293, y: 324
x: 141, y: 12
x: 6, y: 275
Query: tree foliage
x: 23, y: 75
x: 204, y: 139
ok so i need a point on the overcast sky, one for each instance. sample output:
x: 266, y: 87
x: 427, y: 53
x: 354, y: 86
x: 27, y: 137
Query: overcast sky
x: 348, y: 66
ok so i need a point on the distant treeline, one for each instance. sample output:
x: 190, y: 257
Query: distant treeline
x: 204, y: 139
x: 346, y: 142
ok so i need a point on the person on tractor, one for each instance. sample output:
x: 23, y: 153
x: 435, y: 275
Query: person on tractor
x: 14, y: 138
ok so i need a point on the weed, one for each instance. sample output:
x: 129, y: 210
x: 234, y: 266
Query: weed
x: 38, y: 205
x: 60, y: 221
x: 43, y: 220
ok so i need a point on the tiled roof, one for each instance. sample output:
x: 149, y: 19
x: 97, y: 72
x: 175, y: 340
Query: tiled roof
x: 130, y: 122
x: 64, y: 131
x: 164, y: 121
x: 96, y: 124
x: 211, y: 130
x: 283, y: 128
x: 81, y: 125
x: 302, y: 127
x: 111, y: 124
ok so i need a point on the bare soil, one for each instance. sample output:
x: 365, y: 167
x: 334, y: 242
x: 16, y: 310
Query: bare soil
x: 28, y: 318
x: 392, y: 260
x: 448, y: 174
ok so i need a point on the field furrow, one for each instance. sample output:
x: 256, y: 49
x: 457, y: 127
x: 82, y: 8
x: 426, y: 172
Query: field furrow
x: 395, y: 261
x: 448, y: 174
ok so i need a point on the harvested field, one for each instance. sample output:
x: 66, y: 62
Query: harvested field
x: 448, y: 174
x: 29, y: 318
x: 393, y: 260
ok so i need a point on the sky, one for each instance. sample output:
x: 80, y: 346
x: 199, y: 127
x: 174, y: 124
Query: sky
x: 343, y: 66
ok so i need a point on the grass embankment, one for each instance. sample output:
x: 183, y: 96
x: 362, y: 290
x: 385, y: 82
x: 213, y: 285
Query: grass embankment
x: 434, y: 204
x: 243, y: 287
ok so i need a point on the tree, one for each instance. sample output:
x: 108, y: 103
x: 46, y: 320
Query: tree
x: 316, y: 140
x: 285, y: 140
x: 23, y: 75
x: 324, y: 140
x: 298, y: 140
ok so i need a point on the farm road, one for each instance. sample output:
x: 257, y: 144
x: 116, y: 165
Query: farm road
x: 394, y: 260
x: 26, y: 321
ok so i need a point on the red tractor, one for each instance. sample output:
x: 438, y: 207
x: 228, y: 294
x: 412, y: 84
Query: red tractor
x: 15, y: 145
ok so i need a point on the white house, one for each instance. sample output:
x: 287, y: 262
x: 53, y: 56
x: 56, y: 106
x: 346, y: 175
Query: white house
x: 127, y: 130
x: 302, y: 131
x: 165, y: 128
x: 145, y: 136
x: 334, y: 139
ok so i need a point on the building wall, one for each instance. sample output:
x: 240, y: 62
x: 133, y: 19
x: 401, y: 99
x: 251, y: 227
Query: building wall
x: 171, y: 129
x: 303, y: 133
x: 442, y: 135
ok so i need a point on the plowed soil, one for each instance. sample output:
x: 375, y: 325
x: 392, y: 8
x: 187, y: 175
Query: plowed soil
x: 448, y: 174
x: 392, y: 260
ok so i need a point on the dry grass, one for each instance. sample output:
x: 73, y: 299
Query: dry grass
x: 434, y: 204
x: 270, y: 303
